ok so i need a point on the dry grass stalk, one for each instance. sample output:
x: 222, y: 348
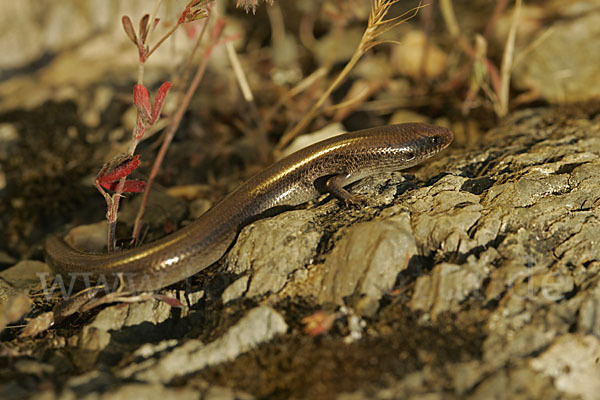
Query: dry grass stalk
x: 507, y: 62
x: 377, y: 26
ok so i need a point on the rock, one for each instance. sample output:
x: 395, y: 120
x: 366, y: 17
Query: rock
x: 572, y: 361
x: 97, y: 335
x: 588, y: 320
x: 260, y: 325
x: 516, y: 383
x: 450, y: 284
x: 13, y: 305
x: 517, y: 223
x: 26, y: 274
x: 236, y: 289
x: 366, y: 262
x: 272, y: 249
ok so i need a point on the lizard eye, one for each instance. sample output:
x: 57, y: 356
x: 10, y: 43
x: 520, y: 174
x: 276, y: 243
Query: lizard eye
x: 435, y: 139
x: 410, y: 155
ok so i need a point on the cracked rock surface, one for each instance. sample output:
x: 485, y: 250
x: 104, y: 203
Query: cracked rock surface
x: 473, y: 276
x: 510, y: 234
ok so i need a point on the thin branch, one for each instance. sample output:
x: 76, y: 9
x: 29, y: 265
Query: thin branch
x: 152, y: 18
x: 162, y: 39
x: 188, y: 64
x: 449, y: 18
x: 239, y: 72
x: 300, y: 87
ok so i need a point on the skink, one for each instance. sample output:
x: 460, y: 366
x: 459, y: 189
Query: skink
x: 326, y: 166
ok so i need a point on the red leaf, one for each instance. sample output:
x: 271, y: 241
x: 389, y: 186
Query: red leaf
x: 141, y: 99
x: 159, y: 100
x: 195, y: 10
x: 131, y: 186
x: 109, y: 185
x: 144, y: 28
x: 140, y: 129
x: 184, y: 15
x: 116, y: 169
x: 129, y: 31
x: 134, y: 186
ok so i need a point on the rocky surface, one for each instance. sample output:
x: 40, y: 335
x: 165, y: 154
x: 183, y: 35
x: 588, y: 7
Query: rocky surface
x: 476, y: 277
